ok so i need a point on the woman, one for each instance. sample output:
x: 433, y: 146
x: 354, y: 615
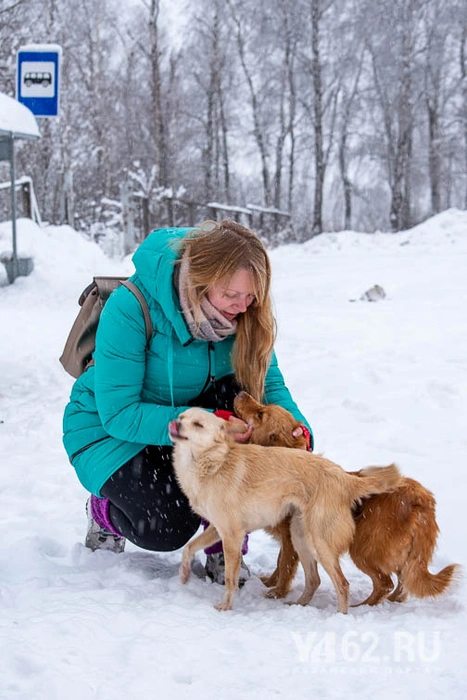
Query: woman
x: 208, y: 293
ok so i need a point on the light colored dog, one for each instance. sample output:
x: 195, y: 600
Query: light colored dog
x: 241, y: 488
x: 273, y: 426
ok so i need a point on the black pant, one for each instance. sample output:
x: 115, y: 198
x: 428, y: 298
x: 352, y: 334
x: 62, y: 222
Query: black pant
x: 147, y: 505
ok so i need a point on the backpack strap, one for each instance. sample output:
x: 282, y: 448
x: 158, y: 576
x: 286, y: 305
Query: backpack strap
x: 144, y: 307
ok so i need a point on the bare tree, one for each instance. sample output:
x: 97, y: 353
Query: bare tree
x: 316, y: 74
x: 211, y: 71
x: 156, y: 93
x: 463, y: 71
x: 320, y: 100
x: 281, y: 107
x: 347, y: 100
x: 12, y: 34
x: 394, y: 63
x: 438, y: 90
x: 287, y: 39
x: 240, y: 23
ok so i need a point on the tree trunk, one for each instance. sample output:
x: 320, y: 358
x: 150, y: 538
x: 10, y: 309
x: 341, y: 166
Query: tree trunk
x: 434, y: 161
x: 400, y: 206
x: 346, y: 184
x: 316, y: 68
x: 463, y: 67
x: 287, y: 112
x: 257, y: 129
x: 347, y: 104
x: 156, y: 95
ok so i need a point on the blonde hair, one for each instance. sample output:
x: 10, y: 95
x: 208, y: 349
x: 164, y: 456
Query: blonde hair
x: 216, y: 251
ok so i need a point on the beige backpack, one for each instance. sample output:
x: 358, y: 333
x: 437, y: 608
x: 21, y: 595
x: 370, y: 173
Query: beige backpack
x: 81, y: 341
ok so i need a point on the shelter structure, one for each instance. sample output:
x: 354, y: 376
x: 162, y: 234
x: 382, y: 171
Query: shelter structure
x: 16, y: 122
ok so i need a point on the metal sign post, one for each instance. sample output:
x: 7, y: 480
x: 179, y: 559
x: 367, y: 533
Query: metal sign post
x: 14, y: 266
x: 38, y: 78
x: 13, y: 209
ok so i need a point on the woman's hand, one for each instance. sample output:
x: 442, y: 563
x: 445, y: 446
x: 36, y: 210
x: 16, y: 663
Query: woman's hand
x: 303, y: 430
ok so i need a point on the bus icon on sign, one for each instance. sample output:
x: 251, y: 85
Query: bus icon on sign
x: 43, y: 78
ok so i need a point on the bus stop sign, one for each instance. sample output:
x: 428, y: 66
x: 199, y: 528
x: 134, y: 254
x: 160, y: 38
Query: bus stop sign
x: 38, y: 78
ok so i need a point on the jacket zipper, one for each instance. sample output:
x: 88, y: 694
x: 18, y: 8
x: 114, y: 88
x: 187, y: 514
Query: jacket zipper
x: 211, y: 367
x: 86, y: 447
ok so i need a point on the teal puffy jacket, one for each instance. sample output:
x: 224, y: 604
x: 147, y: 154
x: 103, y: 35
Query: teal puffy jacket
x: 127, y: 398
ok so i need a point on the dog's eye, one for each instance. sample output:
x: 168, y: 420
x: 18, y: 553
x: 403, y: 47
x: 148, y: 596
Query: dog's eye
x: 260, y: 415
x: 197, y: 424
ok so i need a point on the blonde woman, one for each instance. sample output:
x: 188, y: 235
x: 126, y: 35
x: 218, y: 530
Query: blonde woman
x: 208, y: 293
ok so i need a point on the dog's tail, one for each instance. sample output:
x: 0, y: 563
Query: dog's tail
x: 376, y: 480
x: 414, y: 575
x: 418, y: 581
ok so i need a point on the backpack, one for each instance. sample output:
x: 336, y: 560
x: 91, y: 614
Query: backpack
x: 81, y: 341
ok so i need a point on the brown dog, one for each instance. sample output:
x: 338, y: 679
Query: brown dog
x: 241, y: 488
x: 395, y: 532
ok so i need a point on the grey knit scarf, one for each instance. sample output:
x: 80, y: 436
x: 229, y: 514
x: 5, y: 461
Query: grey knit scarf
x: 209, y: 323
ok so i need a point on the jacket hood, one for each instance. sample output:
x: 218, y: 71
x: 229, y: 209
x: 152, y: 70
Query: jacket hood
x: 154, y: 263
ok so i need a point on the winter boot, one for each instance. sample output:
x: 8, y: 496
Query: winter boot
x: 215, y: 569
x: 101, y: 534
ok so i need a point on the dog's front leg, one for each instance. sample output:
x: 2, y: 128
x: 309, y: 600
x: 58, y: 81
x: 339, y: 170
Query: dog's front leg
x: 205, y: 539
x: 232, y: 545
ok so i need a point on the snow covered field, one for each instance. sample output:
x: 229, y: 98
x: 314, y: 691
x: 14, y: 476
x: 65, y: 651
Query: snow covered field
x: 379, y: 382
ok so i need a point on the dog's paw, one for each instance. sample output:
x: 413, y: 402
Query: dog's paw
x: 223, y: 606
x: 303, y: 600
x: 275, y: 593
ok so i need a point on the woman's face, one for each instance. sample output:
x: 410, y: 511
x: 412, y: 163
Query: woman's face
x: 234, y: 295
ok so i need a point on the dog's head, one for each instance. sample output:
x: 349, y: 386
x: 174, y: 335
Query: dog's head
x: 198, y: 428
x: 272, y: 425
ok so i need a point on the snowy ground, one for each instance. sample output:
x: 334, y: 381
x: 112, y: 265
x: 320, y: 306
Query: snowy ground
x: 378, y: 381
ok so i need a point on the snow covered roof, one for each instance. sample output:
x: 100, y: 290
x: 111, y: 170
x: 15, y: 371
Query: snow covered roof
x: 16, y: 119
x: 41, y: 47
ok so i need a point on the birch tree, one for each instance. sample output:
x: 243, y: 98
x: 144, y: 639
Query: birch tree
x: 396, y: 84
x: 319, y: 95
x: 211, y: 49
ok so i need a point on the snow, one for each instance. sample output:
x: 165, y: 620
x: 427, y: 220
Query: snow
x: 16, y: 119
x: 228, y: 207
x: 267, y: 210
x: 42, y: 48
x: 380, y: 382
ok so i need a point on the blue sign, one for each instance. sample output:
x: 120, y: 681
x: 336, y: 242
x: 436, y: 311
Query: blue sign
x: 38, y: 78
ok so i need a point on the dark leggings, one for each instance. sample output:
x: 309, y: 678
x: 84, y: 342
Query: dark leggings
x: 147, y: 505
